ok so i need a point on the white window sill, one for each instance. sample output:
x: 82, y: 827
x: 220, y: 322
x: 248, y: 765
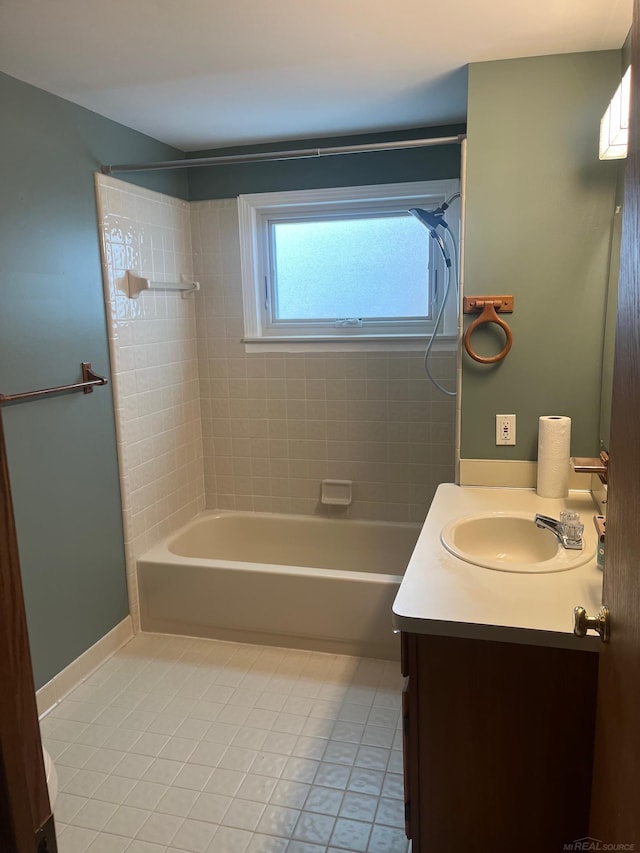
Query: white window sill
x: 445, y: 344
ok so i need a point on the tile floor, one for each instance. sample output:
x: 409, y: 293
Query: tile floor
x: 177, y: 744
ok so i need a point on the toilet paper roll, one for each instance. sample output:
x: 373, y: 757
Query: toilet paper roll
x: 554, y: 448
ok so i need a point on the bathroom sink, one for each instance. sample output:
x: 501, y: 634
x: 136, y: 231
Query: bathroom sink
x: 510, y: 542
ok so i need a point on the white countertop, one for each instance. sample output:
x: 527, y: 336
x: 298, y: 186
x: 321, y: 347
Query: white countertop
x: 441, y: 594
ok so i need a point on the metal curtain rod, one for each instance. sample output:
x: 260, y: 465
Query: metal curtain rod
x: 89, y: 379
x: 298, y: 154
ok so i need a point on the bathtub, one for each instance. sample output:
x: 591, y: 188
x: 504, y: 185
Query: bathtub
x: 286, y: 580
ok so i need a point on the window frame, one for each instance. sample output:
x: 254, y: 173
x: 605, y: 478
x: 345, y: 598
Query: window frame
x: 257, y: 211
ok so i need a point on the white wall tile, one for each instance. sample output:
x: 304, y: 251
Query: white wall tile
x: 337, y: 415
x: 154, y: 366
x: 200, y: 422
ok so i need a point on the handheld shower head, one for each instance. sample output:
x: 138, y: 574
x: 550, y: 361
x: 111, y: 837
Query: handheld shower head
x: 430, y: 218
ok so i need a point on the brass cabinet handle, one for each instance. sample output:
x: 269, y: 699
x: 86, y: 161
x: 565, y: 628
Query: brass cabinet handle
x: 600, y: 623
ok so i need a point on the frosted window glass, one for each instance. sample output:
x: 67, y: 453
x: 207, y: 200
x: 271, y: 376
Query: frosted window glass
x: 371, y: 267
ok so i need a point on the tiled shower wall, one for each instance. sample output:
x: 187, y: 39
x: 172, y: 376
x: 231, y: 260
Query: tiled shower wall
x: 154, y: 365
x: 275, y: 425
x: 201, y: 422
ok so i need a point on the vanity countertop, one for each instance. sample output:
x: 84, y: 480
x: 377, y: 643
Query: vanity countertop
x: 444, y: 595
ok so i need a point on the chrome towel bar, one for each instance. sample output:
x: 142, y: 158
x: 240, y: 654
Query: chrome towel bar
x: 89, y: 380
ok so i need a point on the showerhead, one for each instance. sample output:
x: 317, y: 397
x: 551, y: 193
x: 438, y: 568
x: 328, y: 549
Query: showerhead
x: 432, y: 219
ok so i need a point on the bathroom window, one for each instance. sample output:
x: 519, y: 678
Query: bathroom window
x: 343, y: 265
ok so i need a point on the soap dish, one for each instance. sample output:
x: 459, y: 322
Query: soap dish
x: 337, y: 492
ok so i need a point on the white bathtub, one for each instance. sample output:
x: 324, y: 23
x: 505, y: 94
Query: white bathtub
x: 300, y: 581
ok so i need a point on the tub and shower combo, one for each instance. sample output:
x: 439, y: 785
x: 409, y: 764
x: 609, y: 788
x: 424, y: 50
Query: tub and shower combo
x: 301, y: 581
x: 319, y: 583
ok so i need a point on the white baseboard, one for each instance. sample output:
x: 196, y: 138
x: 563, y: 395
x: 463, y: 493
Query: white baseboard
x: 82, y: 667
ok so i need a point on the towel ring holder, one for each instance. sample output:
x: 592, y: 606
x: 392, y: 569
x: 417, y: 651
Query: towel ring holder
x: 488, y: 314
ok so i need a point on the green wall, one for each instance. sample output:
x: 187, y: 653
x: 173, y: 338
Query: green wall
x: 62, y: 450
x: 539, y: 211
x: 424, y: 164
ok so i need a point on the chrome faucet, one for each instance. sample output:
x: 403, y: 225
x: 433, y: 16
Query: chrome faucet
x: 567, y: 530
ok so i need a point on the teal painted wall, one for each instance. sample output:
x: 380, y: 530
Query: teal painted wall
x: 62, y: 451
x: 539, y: 216
x: 340, y: 171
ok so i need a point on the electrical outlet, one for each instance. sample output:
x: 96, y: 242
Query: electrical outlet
x: 505, y: 429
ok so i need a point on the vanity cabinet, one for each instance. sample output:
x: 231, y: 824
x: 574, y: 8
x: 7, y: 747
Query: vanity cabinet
x: 498, y: 744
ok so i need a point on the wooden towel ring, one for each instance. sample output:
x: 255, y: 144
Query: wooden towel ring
x: 488, y: 315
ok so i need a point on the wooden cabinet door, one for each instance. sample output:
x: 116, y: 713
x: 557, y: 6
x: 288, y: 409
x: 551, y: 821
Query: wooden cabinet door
x: 406, y: 756
x: 499, y: 746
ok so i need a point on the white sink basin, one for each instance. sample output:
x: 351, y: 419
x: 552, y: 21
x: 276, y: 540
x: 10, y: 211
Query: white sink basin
x: 509, y: 542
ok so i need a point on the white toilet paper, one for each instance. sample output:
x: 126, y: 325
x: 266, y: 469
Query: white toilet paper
x: 554, y: 449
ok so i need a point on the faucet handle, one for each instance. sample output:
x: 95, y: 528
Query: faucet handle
x: 571, y: 526
x: 573, y: 531
x: 569, y: 516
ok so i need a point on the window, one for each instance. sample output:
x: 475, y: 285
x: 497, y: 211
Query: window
x: 343, y: 264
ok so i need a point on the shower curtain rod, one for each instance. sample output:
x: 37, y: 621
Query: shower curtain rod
x: 298, y: 154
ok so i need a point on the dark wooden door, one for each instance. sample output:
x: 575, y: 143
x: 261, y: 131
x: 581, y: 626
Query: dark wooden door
x: 615, y: 802
x: 26, y: 824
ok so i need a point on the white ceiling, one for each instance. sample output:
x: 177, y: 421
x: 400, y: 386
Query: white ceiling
x: 208, y: 73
